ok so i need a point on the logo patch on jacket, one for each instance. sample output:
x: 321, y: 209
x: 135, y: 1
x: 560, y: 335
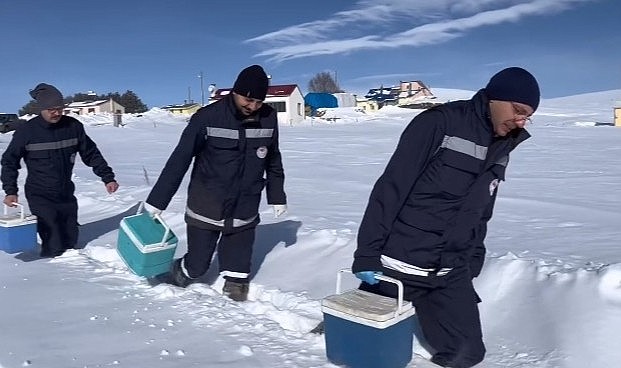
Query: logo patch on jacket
x: 492, y: 186
x: 262, y: 152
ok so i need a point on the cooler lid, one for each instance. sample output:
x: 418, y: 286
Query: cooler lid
x: 16, y: 220
x: 148, y: 230
x: 363, y: 304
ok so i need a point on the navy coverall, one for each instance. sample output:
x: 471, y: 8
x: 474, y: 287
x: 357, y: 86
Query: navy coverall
x: 426, y: 221
x: 232, y: 153
x: 49, y: 151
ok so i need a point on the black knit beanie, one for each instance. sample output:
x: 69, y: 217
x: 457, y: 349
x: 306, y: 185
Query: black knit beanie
x: 516, y: 85
x: 47, y: 96
x: 252, y: 82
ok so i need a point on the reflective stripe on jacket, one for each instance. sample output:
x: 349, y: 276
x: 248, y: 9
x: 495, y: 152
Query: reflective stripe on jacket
x: 49, y: 151
x: 430, y: 207
x: 231, y: 155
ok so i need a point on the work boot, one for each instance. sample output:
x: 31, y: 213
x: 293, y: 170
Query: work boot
x: 237, y: 291
x: 177, y: 276
x: 441, y: 360
x: 49, y: 253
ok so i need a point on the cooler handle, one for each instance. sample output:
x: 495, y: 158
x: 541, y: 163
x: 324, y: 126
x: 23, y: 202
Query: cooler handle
x: 140, y: 208
x: 22, y: 215
x: 160, y: 219
x: 166, y: 227
x: 379, y: 277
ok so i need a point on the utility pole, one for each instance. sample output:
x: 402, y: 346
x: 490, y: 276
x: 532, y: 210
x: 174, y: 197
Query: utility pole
x: 202, y: 89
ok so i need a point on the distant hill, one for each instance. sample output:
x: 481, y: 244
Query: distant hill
x: 586, y: 109
x: 600, y: 98
x: 448, y: 94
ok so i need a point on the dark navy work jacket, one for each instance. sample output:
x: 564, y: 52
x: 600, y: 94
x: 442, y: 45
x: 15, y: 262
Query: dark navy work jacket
x: 235, y: 157
x: 49, y: 151
x: 429, y: 209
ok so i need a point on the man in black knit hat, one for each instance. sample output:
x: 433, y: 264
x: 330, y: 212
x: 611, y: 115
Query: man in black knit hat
x: 49, y: 144
x: 234, y: 144
x: 426, y: 219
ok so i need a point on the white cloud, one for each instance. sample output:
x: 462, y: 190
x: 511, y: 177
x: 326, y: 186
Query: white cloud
x: 391, y: 76
x: 435, y: 22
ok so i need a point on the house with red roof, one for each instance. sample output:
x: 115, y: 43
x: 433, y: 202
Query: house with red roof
x: 286, y: 99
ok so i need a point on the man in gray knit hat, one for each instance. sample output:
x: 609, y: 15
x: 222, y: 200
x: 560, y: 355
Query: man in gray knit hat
x: 48, y: 144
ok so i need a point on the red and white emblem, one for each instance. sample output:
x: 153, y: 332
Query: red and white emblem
x: 262, y: 152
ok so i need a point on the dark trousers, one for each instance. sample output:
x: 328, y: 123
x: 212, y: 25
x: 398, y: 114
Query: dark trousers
x: 234, y: 252
x: 57, y: 223
x: 448, y: 313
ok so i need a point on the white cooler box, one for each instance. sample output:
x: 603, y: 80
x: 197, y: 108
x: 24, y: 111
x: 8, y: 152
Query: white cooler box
x: 18, y: 232
x: 366, y: 330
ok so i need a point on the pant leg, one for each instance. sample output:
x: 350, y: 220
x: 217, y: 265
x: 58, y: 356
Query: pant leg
x: 447, y: 312
x: 44, y: 231
x: 450, y: 321
x: 68, y: 222
x: 47, y: 226
x: 201, y: 245
x: 235, y: 254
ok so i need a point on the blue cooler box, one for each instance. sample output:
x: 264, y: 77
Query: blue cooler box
x: 18, y: 232
x: 146, y: 244
x: 366, y: 330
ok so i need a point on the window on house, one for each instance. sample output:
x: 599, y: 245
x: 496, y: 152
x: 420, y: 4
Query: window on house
x: 299, y: 109
x: 278, y: 106
x: 91, y: 110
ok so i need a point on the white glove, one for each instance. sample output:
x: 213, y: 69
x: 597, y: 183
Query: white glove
x: 152, y: 210
x: 279, y: 209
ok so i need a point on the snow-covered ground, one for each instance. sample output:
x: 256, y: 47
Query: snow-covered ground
x: 551, y: 286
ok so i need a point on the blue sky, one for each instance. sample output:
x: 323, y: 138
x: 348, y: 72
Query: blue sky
x: 157, y: 48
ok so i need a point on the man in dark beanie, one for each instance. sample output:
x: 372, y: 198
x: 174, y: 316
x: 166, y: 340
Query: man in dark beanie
x: 48, y: 144
x: 514, y: 96
x: 234, y: 144
x: 252, y: 82
x: 426, y: 219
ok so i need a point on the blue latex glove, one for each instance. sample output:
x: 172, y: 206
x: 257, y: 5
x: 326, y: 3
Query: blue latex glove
x: 368, y: 276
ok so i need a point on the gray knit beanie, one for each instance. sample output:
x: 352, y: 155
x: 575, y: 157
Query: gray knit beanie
x: 47, y: 96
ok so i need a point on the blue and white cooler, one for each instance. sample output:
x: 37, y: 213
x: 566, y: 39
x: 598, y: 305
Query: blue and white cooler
x: 18, y: 231
x: 366, y: 330
x: 146, y: 244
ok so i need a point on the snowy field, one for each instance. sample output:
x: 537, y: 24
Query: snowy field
x: 551, y: 285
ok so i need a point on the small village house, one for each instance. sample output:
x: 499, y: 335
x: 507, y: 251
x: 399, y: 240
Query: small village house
x: 409, y: 94
x: 617, y: 114
x: 185, y: 108
x: 94, y: 107
x: 286, y: 99
x: 413, y: 93
x: 366, y: 104
x: 383, y: 96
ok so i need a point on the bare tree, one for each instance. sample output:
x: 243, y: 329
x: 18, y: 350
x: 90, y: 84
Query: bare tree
x: 323, y: 82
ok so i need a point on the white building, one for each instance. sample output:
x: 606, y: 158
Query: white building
x: 94, y: 107
x: 286, y: 99
x: 345, y: 99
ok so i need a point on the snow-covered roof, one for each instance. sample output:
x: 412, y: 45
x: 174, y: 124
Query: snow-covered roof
x: 87, y: 103
x: 282, y: 90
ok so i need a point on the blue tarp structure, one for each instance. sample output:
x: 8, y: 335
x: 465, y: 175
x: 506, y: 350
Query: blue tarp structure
x: 318, y: 100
